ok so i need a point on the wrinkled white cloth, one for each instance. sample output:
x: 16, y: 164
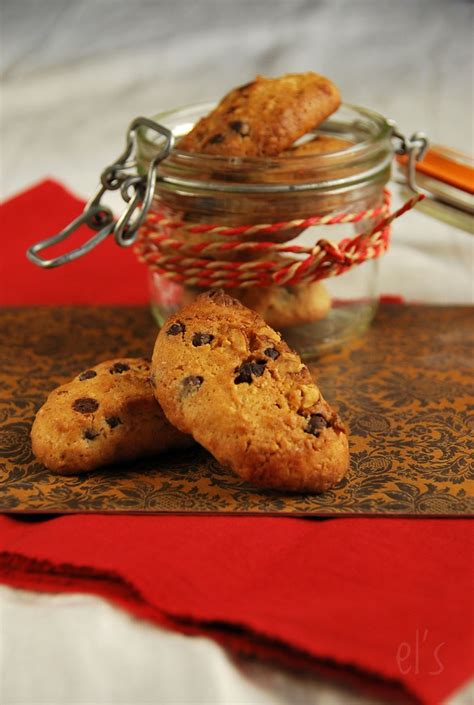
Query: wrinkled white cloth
x: 75, y: 72
x: 78, y: 649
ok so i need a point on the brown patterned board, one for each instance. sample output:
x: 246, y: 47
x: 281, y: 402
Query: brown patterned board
x: 405, y: 390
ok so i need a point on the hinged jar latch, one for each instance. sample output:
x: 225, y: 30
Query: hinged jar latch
x: 414, y: 148
x: 138, y: 190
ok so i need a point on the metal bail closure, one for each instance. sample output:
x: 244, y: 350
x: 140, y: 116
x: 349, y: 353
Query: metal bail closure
x: 415, y: 148
x: 136, y: 190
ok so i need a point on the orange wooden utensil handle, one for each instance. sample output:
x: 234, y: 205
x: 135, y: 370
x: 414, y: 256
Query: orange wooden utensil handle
x: 438, y: 165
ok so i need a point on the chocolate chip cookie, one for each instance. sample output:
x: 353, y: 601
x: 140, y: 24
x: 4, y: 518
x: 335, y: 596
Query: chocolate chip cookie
x: 106, y: 414
x: 224, y: 376
x: 264, y: 117
x: 286, y: 306
x: 280, y: 306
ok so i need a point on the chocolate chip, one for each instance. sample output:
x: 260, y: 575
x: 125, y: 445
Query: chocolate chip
x: 113, y: 421
x: 191, y: 384
x: 315, y: 424
x: 176, y: 328
x: 272, y: 353
x: 89, y: 434
x: 248, y: 370
x: 88, y: 374
x: 202, y: 339
x: 242, y: 128
x: 85, y: 405
x: 119, y: 367
x: 216, y: 139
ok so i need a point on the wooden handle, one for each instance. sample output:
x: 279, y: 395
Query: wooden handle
x: 449, y: 169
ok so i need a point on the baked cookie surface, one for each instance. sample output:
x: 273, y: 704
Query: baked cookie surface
x: 264, y: 117
x: 106, y: 414
x: 227, y: 378
x: 279, y: 306
x: 286, y: 306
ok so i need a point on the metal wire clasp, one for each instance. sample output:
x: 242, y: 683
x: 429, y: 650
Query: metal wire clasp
x: 415, y: 148
x: 137, y: 190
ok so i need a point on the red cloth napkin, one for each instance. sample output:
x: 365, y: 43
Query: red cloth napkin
x: 388, y: 601
x: 387, y: 598
x: 107, y: 275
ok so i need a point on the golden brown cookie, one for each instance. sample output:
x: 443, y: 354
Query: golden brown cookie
x: 106, y: 414
x: 227, y: 378
x: 280, y: 306
x: 321, y: 144
x: 264, y: 117
x: 286, y: 306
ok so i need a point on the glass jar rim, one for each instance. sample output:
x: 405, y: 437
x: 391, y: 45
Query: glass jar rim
x: 384, y: 130
x: 186, y: 165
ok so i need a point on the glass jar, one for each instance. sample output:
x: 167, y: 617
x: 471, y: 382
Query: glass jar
x: 314, y: 317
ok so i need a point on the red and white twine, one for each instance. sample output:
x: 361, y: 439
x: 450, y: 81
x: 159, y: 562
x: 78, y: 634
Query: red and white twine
x: 198, y: 264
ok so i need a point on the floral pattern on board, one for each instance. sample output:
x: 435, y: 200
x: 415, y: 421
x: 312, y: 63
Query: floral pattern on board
x: 405, y: 391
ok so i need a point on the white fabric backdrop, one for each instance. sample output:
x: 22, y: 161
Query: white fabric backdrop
x: 75, y: 72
